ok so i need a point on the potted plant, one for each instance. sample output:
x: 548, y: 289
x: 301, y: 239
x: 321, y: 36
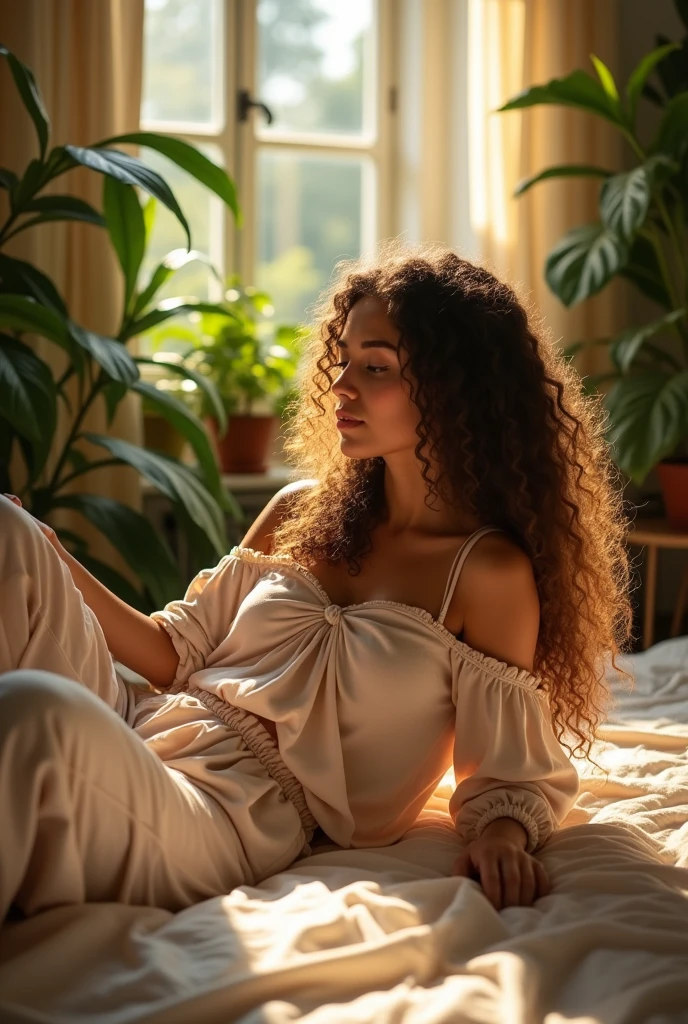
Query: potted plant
x: 102, y: 368
x: 252, y: 362
x: 640, y: 236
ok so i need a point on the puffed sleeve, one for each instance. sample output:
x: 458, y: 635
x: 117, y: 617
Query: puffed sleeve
x: 508, y: 762
x: 198, y: 623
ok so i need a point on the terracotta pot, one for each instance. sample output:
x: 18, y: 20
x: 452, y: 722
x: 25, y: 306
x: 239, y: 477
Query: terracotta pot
x: 245, y: 448
x: 673, y: 480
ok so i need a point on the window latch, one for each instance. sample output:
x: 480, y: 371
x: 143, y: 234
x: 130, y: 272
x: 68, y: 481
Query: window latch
x: 245, y: 103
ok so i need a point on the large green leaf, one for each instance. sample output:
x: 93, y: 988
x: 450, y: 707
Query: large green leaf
x: 136, y: 539
x: 127, y: 230
x: 641, y: 73
x: 648, y: 418
x: 110, y: 354
x: 30, y: 182
x: 672, y: 137
x: 8, y: 179
x: 583, y: 262
x: 113, y: 393
x: 173, y: 307
x: 607, y: 82
x: 31, y: 97
x: 23, y: 278
x: 625, y: 347
x: 175, y: 480
x: 562, y: 171
x: 645, y: 273
x: 200, y: 379
x: 625, y: 200
x: 173, y: 261
x: 673, y: 70
x: 27, y: 394
x: 22, y: 313
x: 114, y: 581
x: 62, y: 208
x: 189, y: 426
x: 682, y: 8
x: 190, y: 160
x: 575, y: 90
x: 130, y: 171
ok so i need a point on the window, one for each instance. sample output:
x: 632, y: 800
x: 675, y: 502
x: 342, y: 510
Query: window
x: 314, y: 184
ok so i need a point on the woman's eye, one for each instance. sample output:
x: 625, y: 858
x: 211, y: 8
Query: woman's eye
x: 380, y: 368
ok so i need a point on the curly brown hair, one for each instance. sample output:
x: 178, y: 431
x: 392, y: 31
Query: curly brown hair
x: 520, y: 444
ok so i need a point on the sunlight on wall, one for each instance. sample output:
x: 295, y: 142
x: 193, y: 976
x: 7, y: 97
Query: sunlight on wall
x: 494, y: 74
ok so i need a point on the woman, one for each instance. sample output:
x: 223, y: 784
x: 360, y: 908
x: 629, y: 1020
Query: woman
x: 445, y: 584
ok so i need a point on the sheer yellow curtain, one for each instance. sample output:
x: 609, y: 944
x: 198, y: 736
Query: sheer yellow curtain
x: 86, y: 56
x: 512, y: 45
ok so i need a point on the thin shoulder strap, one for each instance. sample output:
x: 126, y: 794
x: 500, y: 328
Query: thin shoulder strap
x: 457, y: 566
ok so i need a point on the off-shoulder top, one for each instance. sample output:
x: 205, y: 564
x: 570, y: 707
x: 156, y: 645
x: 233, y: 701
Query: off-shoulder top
x: 372, y: 702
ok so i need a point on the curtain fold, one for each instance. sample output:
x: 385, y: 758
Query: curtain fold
x: 87, y: 59
x: 513, y: 44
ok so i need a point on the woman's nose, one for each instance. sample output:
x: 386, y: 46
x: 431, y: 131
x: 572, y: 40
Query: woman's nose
x: 344, y: 384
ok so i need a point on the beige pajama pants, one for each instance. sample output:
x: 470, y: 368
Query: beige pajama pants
x: 109, y: 792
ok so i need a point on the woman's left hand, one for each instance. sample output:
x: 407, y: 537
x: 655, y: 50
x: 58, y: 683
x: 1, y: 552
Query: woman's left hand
x: 509, y: 876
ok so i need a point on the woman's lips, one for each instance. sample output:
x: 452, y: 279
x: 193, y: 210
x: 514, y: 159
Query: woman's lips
x: 343, y: 423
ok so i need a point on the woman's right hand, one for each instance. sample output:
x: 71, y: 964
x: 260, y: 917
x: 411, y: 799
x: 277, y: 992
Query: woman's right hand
x: 45, y: 529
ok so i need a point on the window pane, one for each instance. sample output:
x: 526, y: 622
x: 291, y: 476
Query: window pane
x: 312, y: 212
x: 315, y: 64
x: 205, y: 214
x: 181, y: 81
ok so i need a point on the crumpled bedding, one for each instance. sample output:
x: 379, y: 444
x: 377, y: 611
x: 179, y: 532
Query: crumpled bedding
x: 388, y: 936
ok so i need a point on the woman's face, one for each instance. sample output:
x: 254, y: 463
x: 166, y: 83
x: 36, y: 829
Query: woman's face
x: 369, y: 385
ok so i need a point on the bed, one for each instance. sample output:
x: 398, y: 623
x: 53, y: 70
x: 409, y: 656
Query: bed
x: 389, y: 936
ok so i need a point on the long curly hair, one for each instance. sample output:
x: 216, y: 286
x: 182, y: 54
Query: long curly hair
x: 520, y: 446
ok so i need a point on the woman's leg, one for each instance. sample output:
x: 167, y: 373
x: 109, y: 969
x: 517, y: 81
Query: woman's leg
x: 44, y: 622
x: 92, y: 812
x: 166, y: 813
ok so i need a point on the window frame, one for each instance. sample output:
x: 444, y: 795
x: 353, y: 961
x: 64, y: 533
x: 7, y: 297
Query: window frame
x: 240, y: 142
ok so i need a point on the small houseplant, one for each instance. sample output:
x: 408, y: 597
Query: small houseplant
x: 640, y: 236
x: 252, y: 363
x: 100, y: 369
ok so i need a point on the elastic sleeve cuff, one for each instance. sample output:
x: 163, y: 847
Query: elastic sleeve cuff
x: 188, y: 659
x: 507, y: 810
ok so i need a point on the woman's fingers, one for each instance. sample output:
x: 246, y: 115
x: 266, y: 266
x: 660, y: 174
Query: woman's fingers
x: 528, y: 887
x: 506, y: 880
x: 543, y: 883
x: 491, y: 881
x: 14, y: 498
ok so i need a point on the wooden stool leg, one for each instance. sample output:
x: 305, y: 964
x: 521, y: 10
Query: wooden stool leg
x: 650, y: 595
x: 680, y: 606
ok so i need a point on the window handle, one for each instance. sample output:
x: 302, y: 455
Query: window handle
x: 244, y: 104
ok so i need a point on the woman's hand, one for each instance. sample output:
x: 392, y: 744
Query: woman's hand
x: 509, y: 876
x: 45, y: 529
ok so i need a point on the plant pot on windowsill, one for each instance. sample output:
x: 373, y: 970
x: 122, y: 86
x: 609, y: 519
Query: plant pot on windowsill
x: 245, y: 448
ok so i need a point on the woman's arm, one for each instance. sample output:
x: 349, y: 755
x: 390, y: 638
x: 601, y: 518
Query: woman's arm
x: 133, y: 638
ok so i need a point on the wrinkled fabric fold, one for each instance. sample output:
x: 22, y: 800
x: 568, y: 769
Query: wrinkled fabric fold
x: 259, y: 741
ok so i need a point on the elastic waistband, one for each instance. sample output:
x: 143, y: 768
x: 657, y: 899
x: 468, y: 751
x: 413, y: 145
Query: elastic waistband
x: 261, y: 743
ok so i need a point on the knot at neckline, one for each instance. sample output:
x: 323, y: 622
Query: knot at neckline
x: 333, y: 614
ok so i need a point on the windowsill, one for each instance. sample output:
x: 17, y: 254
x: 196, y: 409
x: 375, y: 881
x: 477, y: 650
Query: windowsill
x: 277, y: 474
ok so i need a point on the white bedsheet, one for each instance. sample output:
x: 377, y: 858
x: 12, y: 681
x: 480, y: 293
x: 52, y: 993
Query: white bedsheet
x: 387, y: 936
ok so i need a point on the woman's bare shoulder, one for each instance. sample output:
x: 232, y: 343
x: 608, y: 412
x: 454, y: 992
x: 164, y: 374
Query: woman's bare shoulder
x: 499, y: 600
x: 259, y: 535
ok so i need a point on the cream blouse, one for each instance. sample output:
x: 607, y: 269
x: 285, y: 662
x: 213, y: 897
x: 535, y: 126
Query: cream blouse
x: 372, y: 702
